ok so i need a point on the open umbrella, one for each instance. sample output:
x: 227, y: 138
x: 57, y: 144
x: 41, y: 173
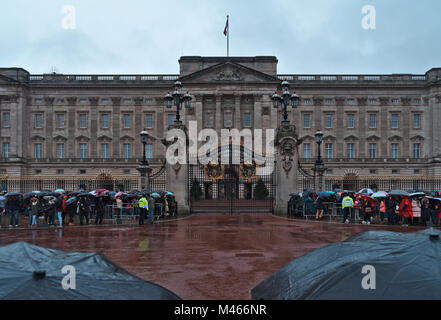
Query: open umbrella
x: 169, y: 193
x: 59, y: 191
x: 324, y: 194
x: 400, y: 193
x: 155, y: 195
x: 366, y: 191
x: 417, y: 194
x: 13, y: 194
x: 160, y: 192
x: 119, y: 194
x: 31, y: 272
x: 380, y: 194
x: 406, y: 267
x: 71, y: 201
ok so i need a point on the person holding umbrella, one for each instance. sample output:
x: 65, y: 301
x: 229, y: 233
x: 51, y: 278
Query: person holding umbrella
x: 390, y: 210
x: 2, y: 208
x: 35, y: 209
x: 405, y: 210
x: 366, y: 209
x: 151, y: 203
x: 83, y: 209
x: 99, y: 210
x: 425, y: 211
x: 13, y: 206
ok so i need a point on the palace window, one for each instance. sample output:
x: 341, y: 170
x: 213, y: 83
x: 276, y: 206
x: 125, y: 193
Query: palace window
x: 149, y: 121
x: 328, y: 151
x: 127, y: 121
x: 6, y: 149
x: 60, y: 150
x: 83, y: 150
x: 328, y: 121
x: 351, y: 121
x: 60, y: 120
x: 373, y: 150
x: 394, y: 153
x: 228, y: 119
x: 350, y: 151
x: 306, y: 121
x: 149, y: 151
x: 104, y: 121
x: 127, y: 152
x: 104, y: 150
x: 6, y: 119
x: 38, y: 151
x: 416, y: 150
x: 307, y: 151
x: 394, y: 121
x: 171, y: 119
x: 247, y: 120
x: 60, y: 171
x: 38, y: 121
x: 417, y: 121
x: 372, y: 121
x: 83, y: 121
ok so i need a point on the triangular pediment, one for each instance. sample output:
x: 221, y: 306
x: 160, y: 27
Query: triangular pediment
x: 229, y: 72
x: 350, y: 137
x: 103, y: 137
x: 60, y: 138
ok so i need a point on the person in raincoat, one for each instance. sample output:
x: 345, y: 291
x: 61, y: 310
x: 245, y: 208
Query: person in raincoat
x: 308, y: 205
x: 35, y: 209
x: 405, y: 210
x: 83, y: 210
x: 425, y: 211
x: 416, y: 209
x: 99, y: 207
x: 167, y: 209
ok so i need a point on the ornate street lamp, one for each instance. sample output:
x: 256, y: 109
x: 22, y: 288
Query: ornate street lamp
x: 285, y: 100
x: 177, y: 99
x: 319, y: 166
x: 144, y: 166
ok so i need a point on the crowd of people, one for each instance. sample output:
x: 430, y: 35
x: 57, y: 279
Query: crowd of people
x: 83, y: 208
x: 405, y: 209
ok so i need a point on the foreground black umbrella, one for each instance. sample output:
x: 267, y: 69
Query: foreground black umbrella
x: 71, y: 201
x: 31, y: 272
x: 13, y: 194
x: 407, y: 267
x: 399, y: 193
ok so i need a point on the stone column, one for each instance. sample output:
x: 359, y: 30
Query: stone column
x: 218, y: 116
x: 139, y: 125
x: 93, y: 126
x: 116, y: 124
x: 237, y: 121
x: 71, y: 115
x: 49, y: 126
x: 340, y: 129
x: 286, y: 166
x: 177, y: 176
x: 362, y: 102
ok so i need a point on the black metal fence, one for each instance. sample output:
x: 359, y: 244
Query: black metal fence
x: 430, y: 184
x: 28, y: 184
x: 423, y: 183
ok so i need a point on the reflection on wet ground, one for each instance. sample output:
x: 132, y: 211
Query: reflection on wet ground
x: 204, y: 256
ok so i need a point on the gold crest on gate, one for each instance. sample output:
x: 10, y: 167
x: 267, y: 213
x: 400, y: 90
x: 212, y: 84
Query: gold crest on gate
x: 248, y: 172
x: 214, y: 171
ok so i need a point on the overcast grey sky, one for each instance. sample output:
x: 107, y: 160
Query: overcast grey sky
x: 148, y: 37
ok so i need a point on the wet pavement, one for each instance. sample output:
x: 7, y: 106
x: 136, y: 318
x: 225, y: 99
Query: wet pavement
x: 203, y: 256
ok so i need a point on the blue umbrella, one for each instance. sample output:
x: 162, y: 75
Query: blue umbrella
x: 2, y: 198
x: 324, y: 194
x: 168, y: 193
x: 155, y: 195
x: 59, y: 191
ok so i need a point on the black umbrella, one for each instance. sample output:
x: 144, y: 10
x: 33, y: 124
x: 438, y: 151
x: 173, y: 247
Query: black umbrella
x: 399, y: 193
x: 160, y: 192
x: 31, y: 194
x: 85, y: 194
x: 406, y: 267
x: 71, y: 201
x: 31, y: 272
x: 13, y: 194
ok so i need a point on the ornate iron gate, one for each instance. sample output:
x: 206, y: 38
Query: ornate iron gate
x: 231, y: 188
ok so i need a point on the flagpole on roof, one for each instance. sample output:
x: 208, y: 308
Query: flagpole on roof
x: 227, y: 33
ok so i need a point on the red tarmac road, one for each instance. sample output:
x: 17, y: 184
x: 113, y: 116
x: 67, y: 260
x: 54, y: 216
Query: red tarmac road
x: 200, y: 257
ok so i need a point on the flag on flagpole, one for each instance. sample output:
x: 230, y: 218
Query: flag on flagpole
x: 226, y: 28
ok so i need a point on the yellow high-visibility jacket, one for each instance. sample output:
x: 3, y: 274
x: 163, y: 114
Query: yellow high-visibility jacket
x: 143, y: 203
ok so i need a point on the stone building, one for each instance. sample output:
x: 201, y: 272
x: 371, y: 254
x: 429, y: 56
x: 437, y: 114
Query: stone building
x: 64, y: 125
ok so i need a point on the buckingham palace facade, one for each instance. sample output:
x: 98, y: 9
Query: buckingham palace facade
x: 64, y: 125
